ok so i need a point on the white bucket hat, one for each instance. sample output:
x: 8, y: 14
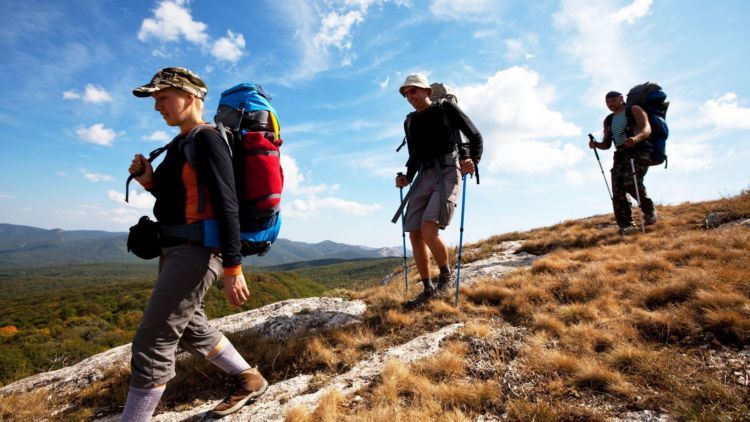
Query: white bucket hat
x: 416, y: 79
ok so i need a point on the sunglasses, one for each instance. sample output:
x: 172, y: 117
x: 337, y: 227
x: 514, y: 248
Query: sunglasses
x: 410, y: 91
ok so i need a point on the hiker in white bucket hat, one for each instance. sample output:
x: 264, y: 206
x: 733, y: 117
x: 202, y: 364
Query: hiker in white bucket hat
x: 437, y: 159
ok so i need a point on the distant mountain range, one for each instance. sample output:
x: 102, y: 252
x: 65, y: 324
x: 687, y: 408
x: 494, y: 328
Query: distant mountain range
x: 25, y: 246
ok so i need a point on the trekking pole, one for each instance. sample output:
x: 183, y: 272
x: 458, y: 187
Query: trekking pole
x: 403, y: 237
x: 591, y: 137
x: 638, y: 196
x: 461, y: 237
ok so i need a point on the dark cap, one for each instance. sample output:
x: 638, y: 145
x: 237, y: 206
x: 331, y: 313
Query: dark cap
x: 612, y: 94
x: 173, y: 77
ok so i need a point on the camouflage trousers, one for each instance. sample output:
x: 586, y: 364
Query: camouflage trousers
x: 622, y: 183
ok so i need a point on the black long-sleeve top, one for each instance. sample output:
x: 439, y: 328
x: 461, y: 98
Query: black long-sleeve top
x: 176, y: 189
x: 432, y: 133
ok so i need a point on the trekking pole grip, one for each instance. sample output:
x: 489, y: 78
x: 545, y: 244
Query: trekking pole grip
x: 591, y: 138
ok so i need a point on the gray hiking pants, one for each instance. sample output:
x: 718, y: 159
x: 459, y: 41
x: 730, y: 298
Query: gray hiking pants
x: 175, y: 315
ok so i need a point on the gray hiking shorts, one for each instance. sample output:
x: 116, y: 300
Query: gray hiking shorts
x: 175, y: 315
x: 425, y: 200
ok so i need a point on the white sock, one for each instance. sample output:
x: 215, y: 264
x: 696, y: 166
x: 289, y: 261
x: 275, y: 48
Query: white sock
x: 141, y: 404
x: 230, y: 360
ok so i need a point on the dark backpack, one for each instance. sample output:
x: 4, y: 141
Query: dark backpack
x: 248, y: 125
x: 652, y: 99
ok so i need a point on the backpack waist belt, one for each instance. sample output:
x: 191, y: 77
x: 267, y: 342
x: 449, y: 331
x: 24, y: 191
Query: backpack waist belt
x: 191, y: 232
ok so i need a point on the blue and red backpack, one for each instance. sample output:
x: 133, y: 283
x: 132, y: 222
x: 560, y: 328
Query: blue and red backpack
x: 249, y: 125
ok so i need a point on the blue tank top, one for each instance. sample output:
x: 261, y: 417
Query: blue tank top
x: 617, y: 127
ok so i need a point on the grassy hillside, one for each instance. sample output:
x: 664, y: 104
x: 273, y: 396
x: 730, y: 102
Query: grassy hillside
x: 55, y: 316
x: 602, y: 325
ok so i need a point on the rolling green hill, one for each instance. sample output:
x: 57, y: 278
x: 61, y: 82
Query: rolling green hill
x: 55, y: 316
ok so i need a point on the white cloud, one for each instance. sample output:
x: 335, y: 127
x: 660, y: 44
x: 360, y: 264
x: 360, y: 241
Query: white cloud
x: 633, y: 11
x: 157, y: 136
x: 595, y: 38
x: 173, y: 20
x: 311, y: 207
x: 384, y: 83
x: 5, y: 196
x: 229, y: 48
x: 92, y: 94
x: 512, y: 110
x: 690, y: 153
x: 725, y: 112
x: 71, y: 95
x: 318, y: 29
x: 96, y: 95
x: 520, y: 48
x: 138, y: 200
x: 486, y: 33
x: 294, y: 179
x: 96, y: 177
x: 335, y: 29
x: 123, y: 215
x: 574, y: 178
x: 465, y: 9
x: 96, y: 134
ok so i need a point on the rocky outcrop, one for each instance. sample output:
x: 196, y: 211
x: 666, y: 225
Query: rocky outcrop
x: 288, y: 394
x: 505, y: 260
x: 278, y: 320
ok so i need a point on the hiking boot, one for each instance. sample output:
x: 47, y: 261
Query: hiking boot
x: 444, y: 284
x: 422, y: 298
x: 253, y: 385
x: 626, y: 230
x: 650, y: 219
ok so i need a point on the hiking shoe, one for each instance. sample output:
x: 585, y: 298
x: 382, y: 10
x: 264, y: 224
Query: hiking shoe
x: 650, y: 219
x: 626, y: 230
x: 253, y: 385
x: 419, y: 300
x: 444, y: 284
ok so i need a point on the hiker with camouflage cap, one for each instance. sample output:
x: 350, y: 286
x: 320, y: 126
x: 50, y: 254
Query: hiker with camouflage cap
x: 434, y: 168
x: 174, y: 315
x: 629, y: 140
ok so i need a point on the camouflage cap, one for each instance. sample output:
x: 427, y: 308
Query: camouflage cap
x: 173, y: 77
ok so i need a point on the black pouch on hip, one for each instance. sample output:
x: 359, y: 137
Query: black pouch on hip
x: 143, y: 240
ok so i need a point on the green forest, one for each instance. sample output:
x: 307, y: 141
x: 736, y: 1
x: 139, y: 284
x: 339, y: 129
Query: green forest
x: 52, y: 317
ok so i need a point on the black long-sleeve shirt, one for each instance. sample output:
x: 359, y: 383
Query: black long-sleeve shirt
x: 433, y: 132
x: 176, y: 189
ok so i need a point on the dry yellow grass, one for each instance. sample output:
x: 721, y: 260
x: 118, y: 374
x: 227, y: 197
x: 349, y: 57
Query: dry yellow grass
x: 477, y: 329
x: 26, y: 406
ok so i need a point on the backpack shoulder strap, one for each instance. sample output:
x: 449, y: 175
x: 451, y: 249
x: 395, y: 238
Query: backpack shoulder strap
x: 153, y: 155
x: 188, y: 148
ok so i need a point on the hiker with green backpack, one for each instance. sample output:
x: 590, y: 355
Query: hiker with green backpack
x: 437, y: 160
x: 639, y: 138
x: 191, y: 189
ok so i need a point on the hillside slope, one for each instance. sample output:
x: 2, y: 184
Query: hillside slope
x: 651, y: 326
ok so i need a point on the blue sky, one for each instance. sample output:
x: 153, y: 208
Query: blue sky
x: 532, y: 76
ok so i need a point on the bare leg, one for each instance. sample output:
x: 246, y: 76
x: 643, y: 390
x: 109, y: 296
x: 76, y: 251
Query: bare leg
x: 431, y: 237
x: 421, y: 253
